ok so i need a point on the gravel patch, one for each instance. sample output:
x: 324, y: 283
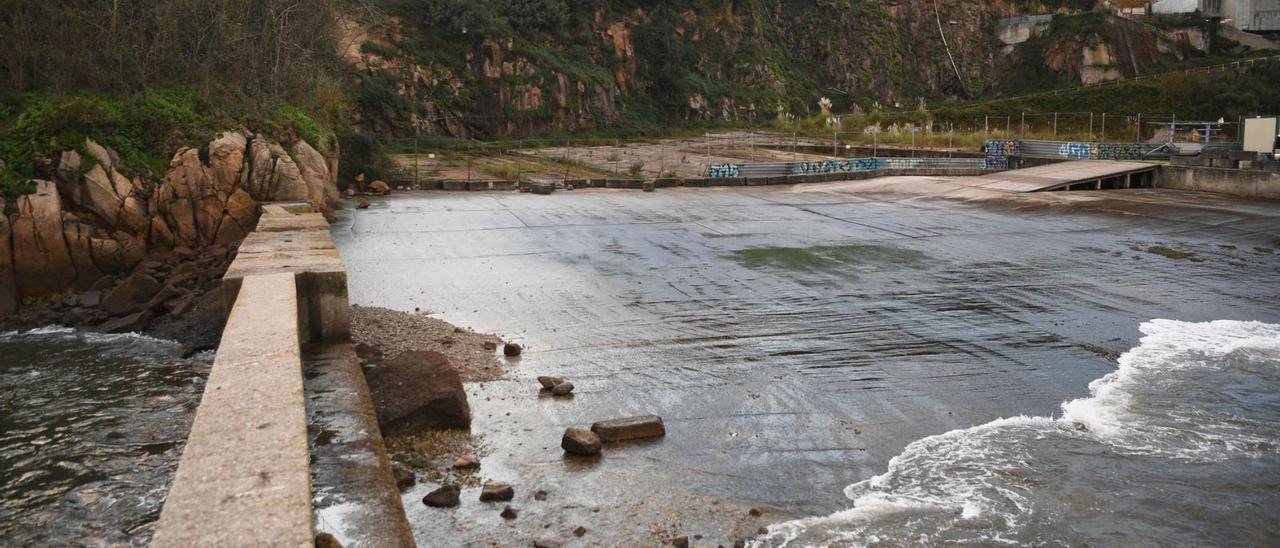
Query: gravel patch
x: 474, y: 355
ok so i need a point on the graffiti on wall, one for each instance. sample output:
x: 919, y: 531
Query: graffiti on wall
x: 998, y: 153
x: 1101, y: 151
x: 720, y: 171
x: 835, y: 166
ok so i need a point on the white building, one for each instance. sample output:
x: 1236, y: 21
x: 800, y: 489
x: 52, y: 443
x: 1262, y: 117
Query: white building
x: 1250, y: 15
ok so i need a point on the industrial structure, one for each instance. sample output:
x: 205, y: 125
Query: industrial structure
x: 1247, y: 15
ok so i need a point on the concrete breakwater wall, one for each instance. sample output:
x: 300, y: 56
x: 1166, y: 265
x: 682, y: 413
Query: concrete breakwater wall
x: 1246, y: 183
x: 697, y: 182
x: 250, y: 469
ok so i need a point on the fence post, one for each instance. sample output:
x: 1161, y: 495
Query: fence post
x: 519, y: 164
x: 566, y: 159
x: 875, y: 143
x: 415, y: 161
x: 1008, y: 124
x: 1138, y: 129
x: 1104, y: 128
x: 913, y: 141
x: 835, y: 144
x: 1055, y: 124
x: 986, y: 126
x: 1090, y: 126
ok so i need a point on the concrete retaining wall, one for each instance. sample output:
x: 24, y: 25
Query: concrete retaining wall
x: 246, y: 474
x: 1236, y: 182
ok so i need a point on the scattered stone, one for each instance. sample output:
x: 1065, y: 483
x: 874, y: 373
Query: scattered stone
x: 540, y: 495
x: 563, y: 389
x: 680, y: 542
x: 580, y: 531
x: 509, y: 513
x: 418, y: 391
x: 368, y: 352
x: 649, y: 186
x: 326, y: 540
x: 490, y: 346
x: 379, y: 187
x: 444, y: 497
x: 546, y: 543
x: 497, y: 492
x: 762, y: 531
x: 466, y: 462
x: 631, y: 428
x: 581, y: 442
x: 364, y: 204
x: 512, y: 350
x: 740, y: 544
x: 549, y: 382
x: 90, y: 298
x: 404, y: 476
x: 133, y: 323
x: 131, y: 294
x: 755, y: 512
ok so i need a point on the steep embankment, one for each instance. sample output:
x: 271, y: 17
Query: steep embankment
x: 93, y: 247
x: 476, y: 69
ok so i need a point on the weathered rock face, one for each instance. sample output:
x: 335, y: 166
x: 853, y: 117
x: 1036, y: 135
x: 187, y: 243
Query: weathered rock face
x: 95, y: 230
x: 418, y: 391
x: 8, y: 290
x: 41, y: 261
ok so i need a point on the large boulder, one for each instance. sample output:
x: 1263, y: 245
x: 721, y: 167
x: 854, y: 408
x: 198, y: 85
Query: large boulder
x: 418, y: 391
x: 313, y: 168
x: 131, y: 295
x: 80, y: 246
x: 8, y: 289
x: 42, y: 262
x: 287, y: 181
x: 239, y: 220
x: 226, y: 160
x: 97, y: 193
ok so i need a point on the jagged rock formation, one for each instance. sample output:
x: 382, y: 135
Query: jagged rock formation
x: 96, y: 247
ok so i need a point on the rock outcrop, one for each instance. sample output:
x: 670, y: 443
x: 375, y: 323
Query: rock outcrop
x: 8, y: 289
x: 41, y: 261
x: 116, y: 240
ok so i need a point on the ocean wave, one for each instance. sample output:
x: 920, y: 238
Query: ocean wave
x: 91, y: 337
x: 1187, y: 393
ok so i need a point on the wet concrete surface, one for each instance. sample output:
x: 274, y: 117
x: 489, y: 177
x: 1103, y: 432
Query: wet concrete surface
x: 793, y: 338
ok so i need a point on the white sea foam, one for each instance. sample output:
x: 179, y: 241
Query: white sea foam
x: 86, y: 336
x: 968, y: 485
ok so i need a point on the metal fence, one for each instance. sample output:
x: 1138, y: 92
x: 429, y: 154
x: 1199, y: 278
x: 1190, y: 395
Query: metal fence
x: 851, y: 165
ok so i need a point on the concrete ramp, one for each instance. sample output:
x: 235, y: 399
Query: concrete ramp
x: 1075, y: 175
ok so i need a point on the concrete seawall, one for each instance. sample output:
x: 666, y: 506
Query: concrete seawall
x: 1245, y: 183
x: 253, y: 473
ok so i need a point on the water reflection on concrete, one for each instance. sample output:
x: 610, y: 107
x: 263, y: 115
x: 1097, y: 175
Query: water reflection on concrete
x: 795, y: 339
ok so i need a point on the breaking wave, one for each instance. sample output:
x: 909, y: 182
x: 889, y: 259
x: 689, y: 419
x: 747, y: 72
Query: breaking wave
x: 1167, y: 449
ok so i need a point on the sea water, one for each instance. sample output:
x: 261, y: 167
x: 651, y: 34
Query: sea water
x: 1180, y: 446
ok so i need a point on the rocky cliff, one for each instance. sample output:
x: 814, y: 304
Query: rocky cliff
x: 603, y: 64
x: 94, y: 247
